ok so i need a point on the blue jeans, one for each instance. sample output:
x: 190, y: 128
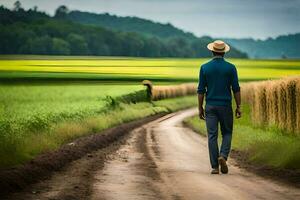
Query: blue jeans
x: 216, y: 115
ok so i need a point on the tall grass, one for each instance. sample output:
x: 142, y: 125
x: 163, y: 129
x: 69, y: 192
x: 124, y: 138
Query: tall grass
x: 275, y: 103
x: 297, y: 105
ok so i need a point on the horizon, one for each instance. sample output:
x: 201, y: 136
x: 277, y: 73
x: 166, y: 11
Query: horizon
x: 284, y: 22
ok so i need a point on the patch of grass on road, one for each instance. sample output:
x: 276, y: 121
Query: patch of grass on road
x: 264, y: 146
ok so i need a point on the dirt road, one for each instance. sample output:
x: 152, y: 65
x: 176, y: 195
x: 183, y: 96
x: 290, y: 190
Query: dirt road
x: 160, y: 160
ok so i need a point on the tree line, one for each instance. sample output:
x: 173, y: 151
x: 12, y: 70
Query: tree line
x: 34, y: 32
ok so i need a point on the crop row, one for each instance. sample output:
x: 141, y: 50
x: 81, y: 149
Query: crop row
x: 159, y: 92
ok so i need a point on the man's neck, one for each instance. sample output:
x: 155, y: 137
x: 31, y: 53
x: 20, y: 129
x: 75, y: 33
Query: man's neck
x: 217, y: 57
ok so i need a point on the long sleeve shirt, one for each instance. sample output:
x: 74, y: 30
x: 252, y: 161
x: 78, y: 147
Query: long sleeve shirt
x: 216, y: 80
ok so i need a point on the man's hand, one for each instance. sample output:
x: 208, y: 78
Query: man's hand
x: 238, y: 113
x: 201, y: 113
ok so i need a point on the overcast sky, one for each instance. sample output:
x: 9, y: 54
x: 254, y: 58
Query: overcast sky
x: 216, y: 18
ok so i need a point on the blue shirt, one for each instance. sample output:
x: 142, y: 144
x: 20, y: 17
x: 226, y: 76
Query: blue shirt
x: 216, y: 79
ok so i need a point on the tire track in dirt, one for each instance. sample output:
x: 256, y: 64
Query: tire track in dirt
x: 130, y: 174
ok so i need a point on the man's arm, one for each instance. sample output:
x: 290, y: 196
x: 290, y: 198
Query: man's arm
x: 200, y: 105
x: 237, y: 94
x: 201, y: 91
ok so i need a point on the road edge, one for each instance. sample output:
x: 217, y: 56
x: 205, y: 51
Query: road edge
x: 41, y: 167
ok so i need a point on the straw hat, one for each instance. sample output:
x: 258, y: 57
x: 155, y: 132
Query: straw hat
x: 218, y: 46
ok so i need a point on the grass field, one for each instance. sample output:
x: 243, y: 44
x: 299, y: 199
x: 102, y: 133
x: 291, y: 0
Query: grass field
x: 37, y: 105
x: 107, y: 68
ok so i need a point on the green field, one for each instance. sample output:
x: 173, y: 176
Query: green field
x: 30, y: 104
x: 75, y: 96
x: 37, y: 117
x: 108, y: 68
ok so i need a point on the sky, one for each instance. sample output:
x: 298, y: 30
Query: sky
x: 258, y: 19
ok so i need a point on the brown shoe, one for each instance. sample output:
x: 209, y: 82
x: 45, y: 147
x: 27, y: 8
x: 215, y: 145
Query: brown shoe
x: 215, y: 171
x: 222, y: 163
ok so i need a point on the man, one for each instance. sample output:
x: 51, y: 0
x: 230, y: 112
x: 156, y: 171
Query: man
x: 216, y: 80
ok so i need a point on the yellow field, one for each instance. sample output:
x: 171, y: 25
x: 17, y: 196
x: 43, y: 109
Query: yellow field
x: 147, y: 68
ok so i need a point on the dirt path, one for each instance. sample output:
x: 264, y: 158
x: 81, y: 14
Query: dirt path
x: 160, y: 160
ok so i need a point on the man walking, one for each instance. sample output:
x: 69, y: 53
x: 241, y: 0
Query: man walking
x: 216, y: 80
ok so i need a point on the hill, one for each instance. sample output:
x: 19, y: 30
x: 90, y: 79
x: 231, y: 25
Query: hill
x: 285, y: 46
x: 129, y: 24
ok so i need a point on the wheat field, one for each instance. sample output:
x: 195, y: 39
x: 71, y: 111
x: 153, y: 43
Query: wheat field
x: 275, y: 103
